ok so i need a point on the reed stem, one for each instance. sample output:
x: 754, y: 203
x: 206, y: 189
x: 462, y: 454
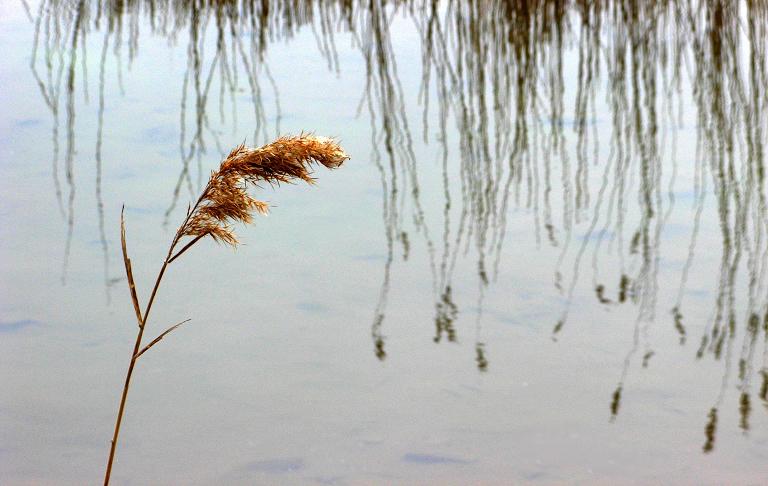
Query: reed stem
x: 120, y: 411
x: 142, y: 318
x: 131, y: 365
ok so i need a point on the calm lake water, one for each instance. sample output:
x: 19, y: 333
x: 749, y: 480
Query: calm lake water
x: 545, y: 262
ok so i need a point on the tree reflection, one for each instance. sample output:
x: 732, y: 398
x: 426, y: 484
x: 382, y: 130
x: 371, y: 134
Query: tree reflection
x: 512, y: 133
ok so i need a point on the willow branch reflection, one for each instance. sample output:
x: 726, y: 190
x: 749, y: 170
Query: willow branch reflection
x: 514, y: 89
x: 645, y: 65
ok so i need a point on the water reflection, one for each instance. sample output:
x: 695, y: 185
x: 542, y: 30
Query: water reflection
x: 601, y: 192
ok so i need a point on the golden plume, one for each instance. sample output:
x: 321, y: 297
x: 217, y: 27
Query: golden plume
x: 225, y: 199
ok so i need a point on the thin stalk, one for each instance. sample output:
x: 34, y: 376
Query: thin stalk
x: 122, y: 405
x: 187, y: 247
x: 129, y: 374
x: 142, y: 318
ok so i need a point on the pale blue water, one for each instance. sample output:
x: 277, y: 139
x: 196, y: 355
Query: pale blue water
x: 483, y: 294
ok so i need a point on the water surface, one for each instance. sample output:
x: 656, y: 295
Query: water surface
x: 546, y: 261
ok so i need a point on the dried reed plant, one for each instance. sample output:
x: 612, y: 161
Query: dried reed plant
x: 225, y: 200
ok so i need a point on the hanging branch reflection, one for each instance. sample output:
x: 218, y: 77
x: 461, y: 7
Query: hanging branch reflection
x: 513, y: 90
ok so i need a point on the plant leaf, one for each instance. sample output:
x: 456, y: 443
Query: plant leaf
x: 158, y: 338
x: 129, y: 271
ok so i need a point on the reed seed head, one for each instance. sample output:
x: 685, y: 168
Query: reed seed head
x: 225, y: 199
